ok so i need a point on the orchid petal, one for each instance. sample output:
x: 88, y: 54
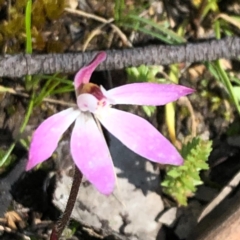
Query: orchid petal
x: 47, y: 135
x: 84, y: 74
x: 91, y: 155
x: 140, y: 136
x: 148, y: 93
x: 87, y: 102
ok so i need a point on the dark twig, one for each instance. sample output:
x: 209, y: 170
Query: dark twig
x: 61, y: 224
x: 23, y: 64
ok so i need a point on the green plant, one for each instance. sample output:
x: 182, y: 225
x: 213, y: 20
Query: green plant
x: 181, y: 182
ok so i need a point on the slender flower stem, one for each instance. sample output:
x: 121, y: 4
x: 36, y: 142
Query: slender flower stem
x: 60, y: 225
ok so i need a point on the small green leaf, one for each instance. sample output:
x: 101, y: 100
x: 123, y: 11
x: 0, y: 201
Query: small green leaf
x: 173, y: 173
x: 236, y: 91
x: 149, y: 110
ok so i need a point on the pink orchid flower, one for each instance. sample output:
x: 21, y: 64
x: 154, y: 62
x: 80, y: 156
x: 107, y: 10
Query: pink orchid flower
x: 88, y: 147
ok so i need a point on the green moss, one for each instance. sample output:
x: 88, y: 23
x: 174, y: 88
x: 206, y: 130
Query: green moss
x: 54, y: 8
x: 12, y: 30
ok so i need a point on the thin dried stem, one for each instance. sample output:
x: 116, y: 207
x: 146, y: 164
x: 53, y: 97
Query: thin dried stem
x: 103, y: 20
x: 50, y: 100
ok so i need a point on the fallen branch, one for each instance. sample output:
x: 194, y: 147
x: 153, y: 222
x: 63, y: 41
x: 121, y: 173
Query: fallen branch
x: 25, y: 64
x: 220, y: 219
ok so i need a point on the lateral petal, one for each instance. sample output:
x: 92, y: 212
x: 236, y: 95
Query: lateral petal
x: 148, y: 93
x: 140, y: 136
x: 91, y: 155
x: 85, y: 73
x: 47, y: 135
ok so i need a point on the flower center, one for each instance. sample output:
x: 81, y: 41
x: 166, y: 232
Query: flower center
x: 91, y: 97
x: 93, y: 89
